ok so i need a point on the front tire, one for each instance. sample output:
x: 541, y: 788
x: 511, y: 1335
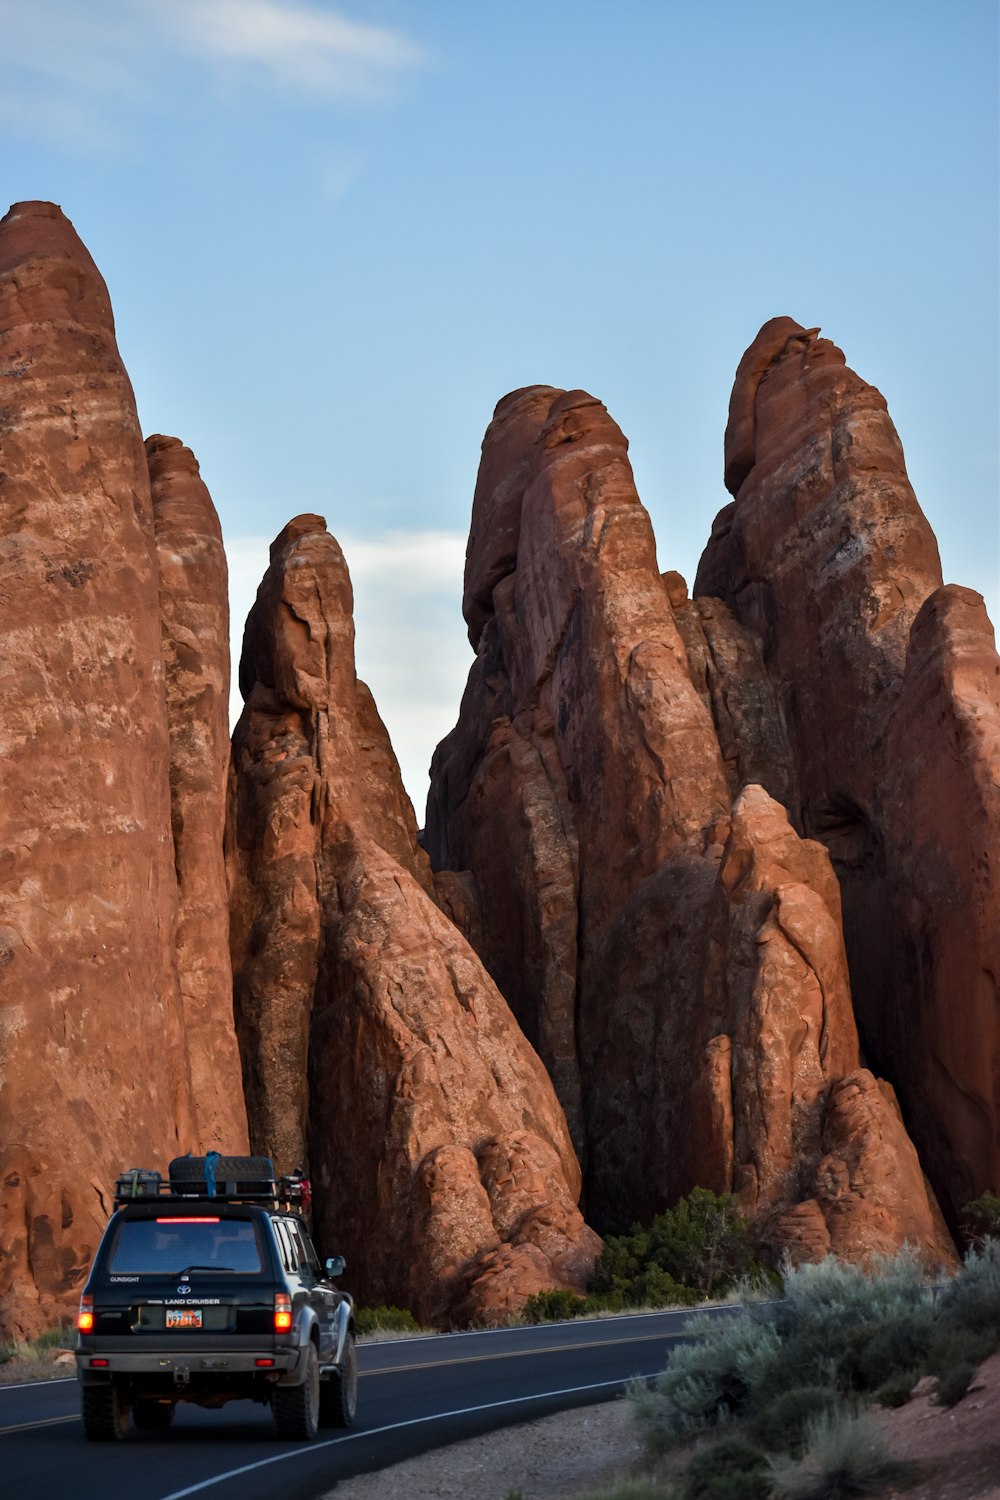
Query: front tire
x: 105, y: 1412
x: 296, y: 1407
x: 153, y: 1416
x: 338, y: 1393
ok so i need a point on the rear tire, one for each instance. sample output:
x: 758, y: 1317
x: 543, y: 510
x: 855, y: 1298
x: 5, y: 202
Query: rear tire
x: 296, y: 1407
x: 105, y: 1412
x: 338, y: 1393
x: 153, y: 1416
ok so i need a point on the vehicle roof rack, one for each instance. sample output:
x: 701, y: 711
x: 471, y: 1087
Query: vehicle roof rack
x: 140, y: 1185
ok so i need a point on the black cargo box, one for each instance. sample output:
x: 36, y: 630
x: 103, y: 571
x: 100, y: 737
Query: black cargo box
x: 222, y: 1176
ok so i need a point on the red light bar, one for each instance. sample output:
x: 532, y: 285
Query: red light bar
x: 175, y: 1219
x: 99, y: 1364
x: 264, y: 1364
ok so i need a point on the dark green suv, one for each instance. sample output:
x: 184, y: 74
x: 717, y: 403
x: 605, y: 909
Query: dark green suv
x: 213, y: 1299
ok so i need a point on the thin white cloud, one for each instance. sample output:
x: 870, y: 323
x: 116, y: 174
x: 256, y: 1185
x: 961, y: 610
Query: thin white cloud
x: 67, y: 67
x: 411, y: 643
x: 305, y: 46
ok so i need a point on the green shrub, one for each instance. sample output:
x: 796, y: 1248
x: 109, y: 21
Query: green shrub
x: 554, y: 1307
x: 874, y: 1355
x: 703, y: 1244
x: 954, y: 1383
x: 958, y: 1346
x: 845, y: 1454
x: 780, y: 1425
x: 662, y: 1425
x: 972, y: 1298
x: 384, y: 1319
x: 712, y: 1377
x: 982, y: 1217
x: 898, y: 1389
x: 732, y: 1469
x: 831, y: 1312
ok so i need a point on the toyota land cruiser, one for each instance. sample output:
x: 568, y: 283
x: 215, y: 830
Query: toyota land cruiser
x: 213, y: 1293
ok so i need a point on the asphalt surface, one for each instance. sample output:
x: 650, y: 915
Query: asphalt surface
x: 414, y: 1394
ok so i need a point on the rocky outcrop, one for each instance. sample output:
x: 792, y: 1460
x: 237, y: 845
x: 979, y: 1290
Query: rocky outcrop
x: 788, y: 1119
x: 689, y: 960
x: 583, y: 756
x: 939, y: 1020
x: 441, y: 1160
x: 194, y: 617
x: 95, y: 1070
x: 825, y: 555
x: 727, y: 668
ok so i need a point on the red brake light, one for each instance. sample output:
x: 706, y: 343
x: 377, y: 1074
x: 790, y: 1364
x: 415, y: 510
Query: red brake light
x: 99, y: 1364
x: 201, y: 1219
x: 282, y: 1312
x: 264, y: 1364
x: 85, y: 1317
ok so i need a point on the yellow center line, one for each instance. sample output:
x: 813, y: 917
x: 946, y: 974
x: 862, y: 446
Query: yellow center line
x: 476, y: 1359
x: 44, y: 1422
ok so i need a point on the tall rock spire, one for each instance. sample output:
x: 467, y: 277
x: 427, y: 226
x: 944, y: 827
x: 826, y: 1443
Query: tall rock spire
x: 95, y: 1074
x: 374, y: 1043
x: 889, y: 685
x: 194, y: 614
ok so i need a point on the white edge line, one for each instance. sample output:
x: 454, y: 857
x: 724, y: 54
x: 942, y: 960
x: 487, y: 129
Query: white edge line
x: 439, y: 1416
x: 38, y: 1385
x: 477, y: 1333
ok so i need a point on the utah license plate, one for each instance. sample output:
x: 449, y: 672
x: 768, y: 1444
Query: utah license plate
x: 183, y: 1317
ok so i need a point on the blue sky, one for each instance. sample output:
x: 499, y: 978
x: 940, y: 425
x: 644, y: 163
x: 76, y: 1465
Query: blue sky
x: 336, y: 235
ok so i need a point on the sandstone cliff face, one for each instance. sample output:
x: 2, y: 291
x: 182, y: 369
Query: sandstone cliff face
x: 688, y: 960
x: 787, y: 1118
x: 940, y: 807
x: 95, y: 1068
x: 441, y: 1159
x: 825, y: 555
x: 194, y: 617
x: 583, y: 755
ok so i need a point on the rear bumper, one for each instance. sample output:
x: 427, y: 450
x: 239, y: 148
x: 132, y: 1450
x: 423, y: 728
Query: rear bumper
x: 182, y: 1366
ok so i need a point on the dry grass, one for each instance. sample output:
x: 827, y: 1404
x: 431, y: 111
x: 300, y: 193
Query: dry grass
x: 48, y: 1357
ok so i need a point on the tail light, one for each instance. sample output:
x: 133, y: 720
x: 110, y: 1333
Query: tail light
x: 85, y: 1317
x: 282, y: 1312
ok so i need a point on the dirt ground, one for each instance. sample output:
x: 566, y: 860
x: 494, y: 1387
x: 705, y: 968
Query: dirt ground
x: 951, y: 1455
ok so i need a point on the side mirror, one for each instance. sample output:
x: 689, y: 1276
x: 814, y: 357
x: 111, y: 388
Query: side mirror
x: 335, y: 1265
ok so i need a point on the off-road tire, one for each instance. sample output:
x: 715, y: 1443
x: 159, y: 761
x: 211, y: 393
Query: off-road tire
x: 296, y: 1407
x: 338, y: 1393
x: 153, y: 1416
x: 105, y: 1412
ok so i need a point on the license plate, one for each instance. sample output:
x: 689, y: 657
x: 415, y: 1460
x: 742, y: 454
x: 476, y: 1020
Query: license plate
x: 183, y: 1317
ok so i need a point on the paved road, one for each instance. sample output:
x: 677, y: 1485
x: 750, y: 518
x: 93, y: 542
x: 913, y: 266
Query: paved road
x: 414, y: 1394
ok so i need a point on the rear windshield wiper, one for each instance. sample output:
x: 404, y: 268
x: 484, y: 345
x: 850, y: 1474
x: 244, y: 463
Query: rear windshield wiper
x: 188, y: 1269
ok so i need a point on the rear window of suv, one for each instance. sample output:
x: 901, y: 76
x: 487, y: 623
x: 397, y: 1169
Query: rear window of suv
x: 166, y: 1247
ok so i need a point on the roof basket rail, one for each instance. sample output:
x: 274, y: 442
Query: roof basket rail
x: 242, y: 1179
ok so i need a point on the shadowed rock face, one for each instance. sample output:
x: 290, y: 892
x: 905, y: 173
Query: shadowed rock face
x: 785, y: 1114
x: 194, y: 615
x: 939, y: 1020
x: 826, y: 555
x: 440, y: 1157
x: 95, y: 1071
